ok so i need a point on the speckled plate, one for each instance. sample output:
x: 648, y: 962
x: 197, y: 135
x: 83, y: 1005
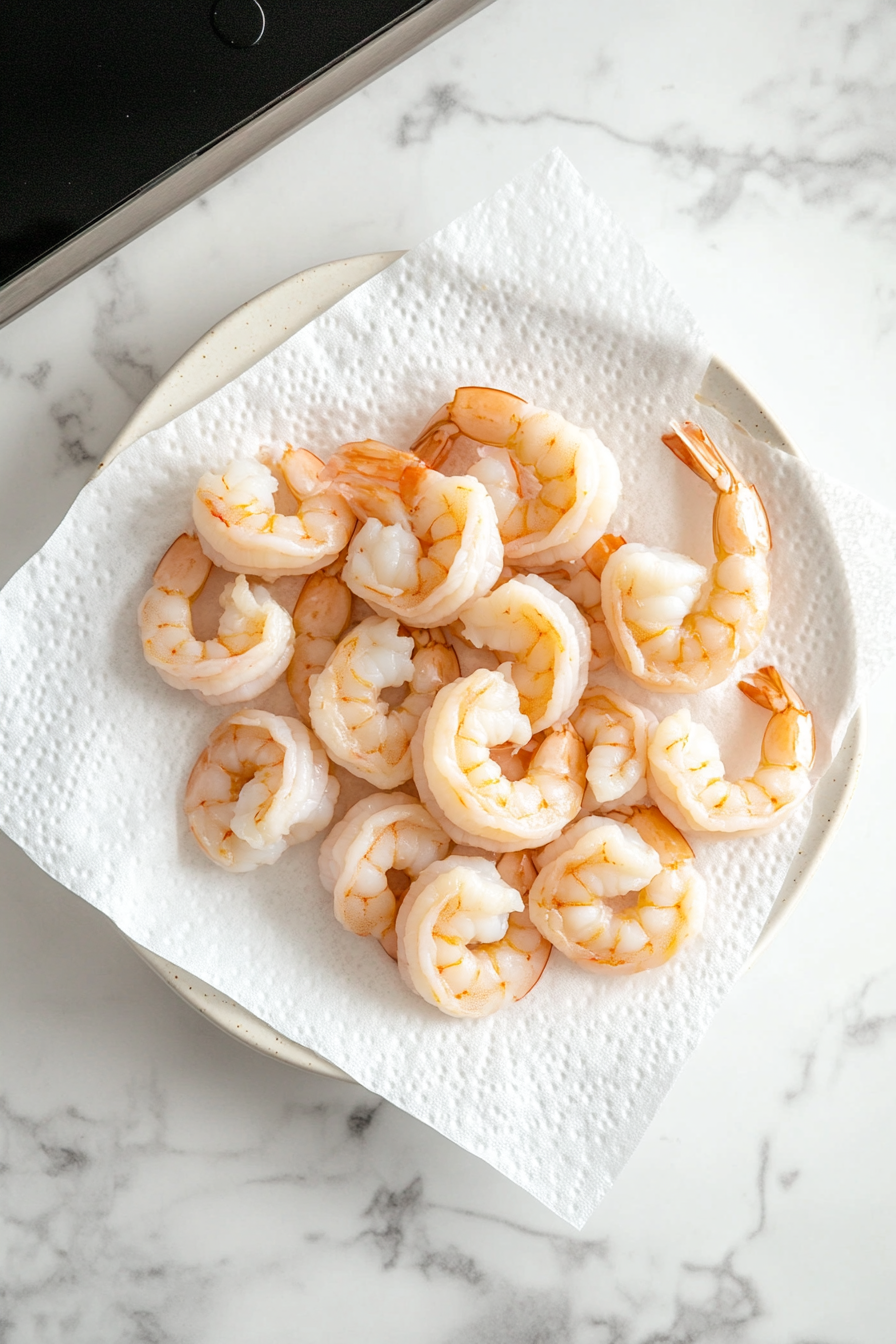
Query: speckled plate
x: 253, y: 331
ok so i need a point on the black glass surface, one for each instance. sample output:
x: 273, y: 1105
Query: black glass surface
x: 99, y: 98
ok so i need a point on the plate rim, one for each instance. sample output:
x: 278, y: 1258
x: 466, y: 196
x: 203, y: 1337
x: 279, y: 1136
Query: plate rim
x: 248, y: 334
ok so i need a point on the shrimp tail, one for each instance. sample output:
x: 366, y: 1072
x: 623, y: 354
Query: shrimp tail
x: 183, y: 568
x: 369, y: 476
x: 485, y: 414
x: 659, y: 833
x: 768, y: 689
x: 597, y: 556
x: 693, y: 446
x: 435, y: 443
x: 789, y: 737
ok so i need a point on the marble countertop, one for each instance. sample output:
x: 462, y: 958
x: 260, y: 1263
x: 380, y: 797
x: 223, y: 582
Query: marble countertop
x: 161, y: 1182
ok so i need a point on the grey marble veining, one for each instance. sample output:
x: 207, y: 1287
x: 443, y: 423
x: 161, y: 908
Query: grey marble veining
x: 159, y: 1182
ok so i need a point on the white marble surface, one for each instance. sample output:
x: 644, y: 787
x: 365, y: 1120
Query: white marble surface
x: 162, y: 1183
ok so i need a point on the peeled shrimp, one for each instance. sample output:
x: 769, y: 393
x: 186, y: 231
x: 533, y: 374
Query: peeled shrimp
x: 254, y: 642
x: 614, y: 732
x: 674, y: 627
x: 370, y: 858
x: 453, y: 767
x: 429, y: 543
x: 554, y: 486
x: 262, y: 783
x: 687, y: 777
x: 547, y: 638
x: 320, y: 617
x: 234, y: 514
x: 580, y: 582
x: 358, y: 729
x: 465, y: 942
x: 600, y: 859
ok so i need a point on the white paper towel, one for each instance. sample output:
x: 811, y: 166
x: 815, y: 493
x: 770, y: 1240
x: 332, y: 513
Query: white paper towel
x: 540, y: 291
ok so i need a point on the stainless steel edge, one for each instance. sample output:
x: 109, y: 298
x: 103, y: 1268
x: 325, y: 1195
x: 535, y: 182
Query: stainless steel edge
x: 194, y: 176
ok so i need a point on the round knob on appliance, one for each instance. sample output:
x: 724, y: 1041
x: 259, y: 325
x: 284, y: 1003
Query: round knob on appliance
x: 239, y: 23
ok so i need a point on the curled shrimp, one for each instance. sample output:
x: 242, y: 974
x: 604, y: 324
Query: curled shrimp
x: 614, y: 732
x: 262, y: 783
x: 234, y: 514
x: 254, y: 642
x: 320, y: 618
x: 357, y: 727
x: 466, y: 944
x: 472, y: 798
x: 674, y: 627
x: 554, y: 485
x: 600, y: 859
x: 429, y: 543
x: 687, y: 777
x: 580, y: 582
x: 548, y: 641
x: 370, y: 858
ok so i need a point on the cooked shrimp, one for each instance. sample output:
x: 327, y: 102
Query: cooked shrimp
x: 370, y: 858
x: 262, y: 783
x: 234, y: 513
x: 600, y: 859
x: 320, y: 618
x: 674, y: 627
x: 429, y: 543
x: 687, y: 777
x: 580, y: 582
x: 614, y: 732
x: 465, y: 942
x: 547, y: 638
x: 453, y: 767
x: 254, y: 642
x: 554, y: 486
x: 357, y: 727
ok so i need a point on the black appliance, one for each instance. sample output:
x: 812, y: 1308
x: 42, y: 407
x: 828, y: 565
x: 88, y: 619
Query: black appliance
x: 115, y: 112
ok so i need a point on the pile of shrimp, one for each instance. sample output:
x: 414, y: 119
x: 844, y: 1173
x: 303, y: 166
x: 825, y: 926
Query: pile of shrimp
x: 453, y: 604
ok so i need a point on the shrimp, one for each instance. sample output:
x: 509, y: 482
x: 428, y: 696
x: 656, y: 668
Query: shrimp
x: 254, y: 642
x: 687, y: 777
x: 370, y: 858
x: 358, y: 729
x: 465, y: 942
x: 580, y: 582
x: 429, y: 543
x: 614, y: 732
x: 601, y: 858
x: 320, y: 618
x: 262, y: 783
x: 674, y: 627
x: 554, y: 486
x: 233, y: 512
x: 547, y: 638
x: 473, y: 799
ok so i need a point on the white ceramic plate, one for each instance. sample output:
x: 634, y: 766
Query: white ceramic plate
x: 252, y: 332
